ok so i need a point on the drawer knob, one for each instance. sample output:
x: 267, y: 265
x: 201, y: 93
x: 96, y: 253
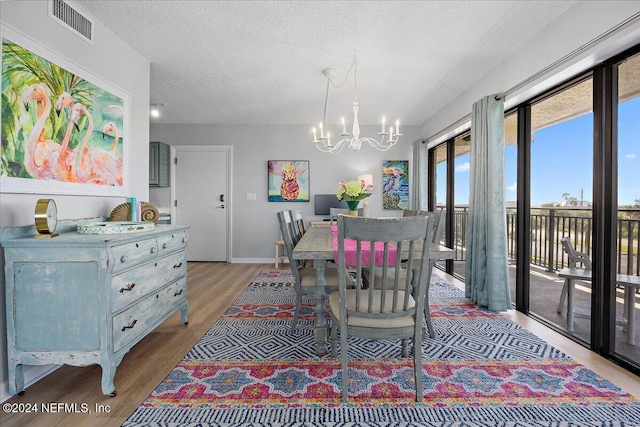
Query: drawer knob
x: 153, y: 250
x: 123, y: 259
x: 165, y: 246
x: 177, y: 265
x: 127, y: 288
x: 124, y: 328
x: 178, y: 293
x: 184, y: 240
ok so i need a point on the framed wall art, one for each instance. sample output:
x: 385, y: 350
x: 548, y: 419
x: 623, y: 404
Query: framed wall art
x: 64, y: 130
x: 288, y: 180
x: 395, y: 184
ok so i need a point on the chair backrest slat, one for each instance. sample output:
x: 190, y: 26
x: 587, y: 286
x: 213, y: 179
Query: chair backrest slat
x: 297, y: 225
x: 287, y: 231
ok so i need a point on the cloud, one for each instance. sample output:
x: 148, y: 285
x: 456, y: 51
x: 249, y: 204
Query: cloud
x: 513, y: 187
x: 463, y: 167
x: 631, y: 156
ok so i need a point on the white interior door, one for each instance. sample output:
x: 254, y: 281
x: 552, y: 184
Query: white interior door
x: 201, y: 199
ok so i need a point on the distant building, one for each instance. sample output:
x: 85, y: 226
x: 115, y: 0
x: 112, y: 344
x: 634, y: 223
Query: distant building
x: 573, y: 203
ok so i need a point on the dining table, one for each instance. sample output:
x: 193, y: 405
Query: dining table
x: 317, y: 245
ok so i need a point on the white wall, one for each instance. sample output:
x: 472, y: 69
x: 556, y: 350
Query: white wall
x: 114, y: 62
x: 582, y: 23
x: 255, y: 227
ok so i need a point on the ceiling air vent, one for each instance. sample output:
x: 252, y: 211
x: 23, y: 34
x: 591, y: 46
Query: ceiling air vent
x: 73, y: 20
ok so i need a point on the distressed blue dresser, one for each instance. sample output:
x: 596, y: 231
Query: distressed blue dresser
x: 82, y: 299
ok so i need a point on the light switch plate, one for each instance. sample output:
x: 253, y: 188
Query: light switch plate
x: 250, y: 196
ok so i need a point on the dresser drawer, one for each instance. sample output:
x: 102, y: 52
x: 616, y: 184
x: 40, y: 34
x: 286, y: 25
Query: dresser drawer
x: 131, y: 323
x: 172, y: 242
x: 131, y: 254
x: 134, y: 284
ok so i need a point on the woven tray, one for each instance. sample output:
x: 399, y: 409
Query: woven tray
x: 118, y: 227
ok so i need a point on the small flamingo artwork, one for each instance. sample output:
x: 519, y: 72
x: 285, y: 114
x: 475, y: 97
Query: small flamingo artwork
x: 58, y: 127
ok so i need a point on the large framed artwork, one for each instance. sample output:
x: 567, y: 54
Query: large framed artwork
x: 288, y: 180
x: 64, y: 130
x: 395, y: 184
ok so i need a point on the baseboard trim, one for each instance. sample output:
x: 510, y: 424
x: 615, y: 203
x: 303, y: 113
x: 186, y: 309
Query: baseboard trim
x: 32, y: 374
x: 255, y: 261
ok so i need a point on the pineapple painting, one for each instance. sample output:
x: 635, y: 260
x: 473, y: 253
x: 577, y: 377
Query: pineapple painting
x: 288, y: 180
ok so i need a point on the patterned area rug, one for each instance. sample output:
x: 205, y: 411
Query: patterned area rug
x: 481, y: 370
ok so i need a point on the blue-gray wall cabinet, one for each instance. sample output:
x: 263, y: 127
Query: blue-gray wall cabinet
x: 159, y: 164
x: 87, y: 299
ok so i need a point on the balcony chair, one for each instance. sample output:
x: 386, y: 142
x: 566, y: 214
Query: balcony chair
x: 304, y: 277
x: 629, y: 283
x: 391, y: 309
x: 570, y: 274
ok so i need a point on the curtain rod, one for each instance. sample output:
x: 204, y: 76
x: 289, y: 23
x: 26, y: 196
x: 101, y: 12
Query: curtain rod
x: 567, y: 57
x: 436, y: 136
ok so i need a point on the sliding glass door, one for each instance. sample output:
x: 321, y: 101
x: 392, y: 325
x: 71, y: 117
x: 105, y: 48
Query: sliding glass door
x: 561, y: 194
x: 628, y: 215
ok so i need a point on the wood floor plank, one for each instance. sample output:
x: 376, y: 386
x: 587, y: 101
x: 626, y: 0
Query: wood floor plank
x: 212, y: 288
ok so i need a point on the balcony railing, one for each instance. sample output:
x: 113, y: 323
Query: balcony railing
x: 549, y: 225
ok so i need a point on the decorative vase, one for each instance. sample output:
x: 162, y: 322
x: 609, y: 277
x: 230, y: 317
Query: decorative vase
x: 353, y: 207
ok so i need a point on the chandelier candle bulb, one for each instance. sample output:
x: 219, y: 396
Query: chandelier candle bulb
x: 344, y: 128
x: 397, y: 127
x: 315, y: 137
x: 383, y: 124
x: 321, y: 131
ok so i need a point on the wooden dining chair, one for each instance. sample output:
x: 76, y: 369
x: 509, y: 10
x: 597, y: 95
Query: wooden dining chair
x: 438, y: 231
x: 304, y: 276
x: 333, y: 214
x: 409, y: 212
x: 393, y: 308
x: 439, y: 218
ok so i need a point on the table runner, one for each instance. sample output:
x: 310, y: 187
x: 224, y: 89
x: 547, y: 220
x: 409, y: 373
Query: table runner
x: 350, y: 249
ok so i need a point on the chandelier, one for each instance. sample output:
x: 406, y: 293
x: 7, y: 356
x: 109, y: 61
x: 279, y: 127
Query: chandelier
x: 352, y: 140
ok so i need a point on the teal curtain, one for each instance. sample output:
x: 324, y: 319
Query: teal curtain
x: 486, y: 267
x: 419, y: 187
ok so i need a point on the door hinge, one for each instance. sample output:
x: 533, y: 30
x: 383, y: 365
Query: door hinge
x: 175, y: 160
x: 175, y: 203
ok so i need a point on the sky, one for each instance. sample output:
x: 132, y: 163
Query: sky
x: 562, y: 162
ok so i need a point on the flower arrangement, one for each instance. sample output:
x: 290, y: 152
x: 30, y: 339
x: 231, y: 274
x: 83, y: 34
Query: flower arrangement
x: 352, y: 192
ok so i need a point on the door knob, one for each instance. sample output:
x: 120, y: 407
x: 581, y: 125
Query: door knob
x: 220, y: 207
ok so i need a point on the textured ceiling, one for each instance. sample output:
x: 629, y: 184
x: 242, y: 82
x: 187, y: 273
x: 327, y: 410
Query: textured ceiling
x: 261, y: 62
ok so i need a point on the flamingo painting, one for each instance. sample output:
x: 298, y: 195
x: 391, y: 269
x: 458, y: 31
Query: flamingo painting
x: 92, y: 164
x: 111, y: 127
x: 41, y: 150
x: 64, y: 164
x: 40, y: 154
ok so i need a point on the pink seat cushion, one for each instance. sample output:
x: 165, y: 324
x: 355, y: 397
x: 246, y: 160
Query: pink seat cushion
x: 350, y: 251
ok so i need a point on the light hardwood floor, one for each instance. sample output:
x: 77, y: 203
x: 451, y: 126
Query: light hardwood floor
x: 212, y: 288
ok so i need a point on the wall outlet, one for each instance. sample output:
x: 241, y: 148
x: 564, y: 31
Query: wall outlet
x: 250, y: 196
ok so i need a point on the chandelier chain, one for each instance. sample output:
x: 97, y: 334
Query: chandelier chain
x: 353, y: 64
